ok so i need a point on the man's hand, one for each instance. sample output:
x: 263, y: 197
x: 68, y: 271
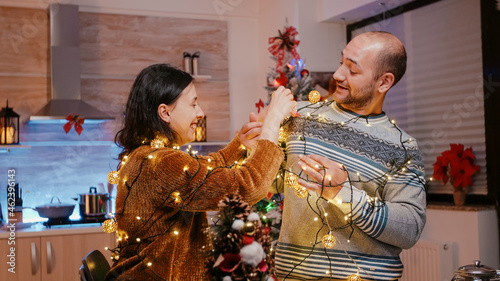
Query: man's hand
x: 326, y: 174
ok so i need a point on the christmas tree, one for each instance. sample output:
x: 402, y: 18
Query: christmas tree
x: 242, y: 248
x: 290, y: 69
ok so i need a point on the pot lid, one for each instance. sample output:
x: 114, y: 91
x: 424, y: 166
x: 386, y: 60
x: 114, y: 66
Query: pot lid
x: 56, y: 204
x: 476, y: 270
x: 93, y: 191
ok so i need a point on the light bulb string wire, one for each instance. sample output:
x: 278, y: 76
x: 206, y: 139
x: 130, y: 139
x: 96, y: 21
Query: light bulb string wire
x: 383, y: 180
x: 122, y: 245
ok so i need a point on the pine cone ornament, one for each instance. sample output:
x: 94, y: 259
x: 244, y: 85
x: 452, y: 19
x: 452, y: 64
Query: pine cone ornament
x: 240, y: 209
x: 252, y: 273
x: 263, y: 239
x: 229, y: 242
x: 238, y: 275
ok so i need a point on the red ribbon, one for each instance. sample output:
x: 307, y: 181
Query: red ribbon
x: 259, y: 105
x: 283, y: 43
x: 76, y: 121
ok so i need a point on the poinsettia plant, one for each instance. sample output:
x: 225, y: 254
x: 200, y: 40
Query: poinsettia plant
x: 457, y: 166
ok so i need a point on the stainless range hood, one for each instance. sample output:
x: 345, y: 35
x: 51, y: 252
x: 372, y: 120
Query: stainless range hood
x: 65, y: 68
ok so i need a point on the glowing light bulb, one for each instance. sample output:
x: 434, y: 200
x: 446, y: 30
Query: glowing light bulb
x: 138, y: 239
x: 157, y: 143
x: 138, y: 217
x: 329, y: 241
x: 354, y: 277
x: 113, y: 177
x: 109, y: 226
x: 149, y: 264
x: 300, y: 191
x: 150, y: 156
x: 291, y: 180
x: 314, y: 96
x: 176, y: 232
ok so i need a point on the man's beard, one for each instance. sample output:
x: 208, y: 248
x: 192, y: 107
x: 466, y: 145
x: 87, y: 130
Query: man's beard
x: 361, y: 98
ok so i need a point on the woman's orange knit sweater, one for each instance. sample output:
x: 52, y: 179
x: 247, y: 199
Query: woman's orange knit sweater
x: 161, y: 205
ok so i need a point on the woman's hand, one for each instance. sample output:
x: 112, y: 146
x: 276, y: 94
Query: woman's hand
x: 250, y: 132
x: 282, y: 104
x: 325, y: 173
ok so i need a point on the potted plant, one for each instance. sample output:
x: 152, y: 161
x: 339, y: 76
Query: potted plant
x: 457, y: 166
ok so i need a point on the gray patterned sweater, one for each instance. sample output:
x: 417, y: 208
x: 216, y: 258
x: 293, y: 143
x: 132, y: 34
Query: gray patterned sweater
x: 379, y: 211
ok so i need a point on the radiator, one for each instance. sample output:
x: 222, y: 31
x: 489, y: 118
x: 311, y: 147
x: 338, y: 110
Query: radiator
x: 428, y: 261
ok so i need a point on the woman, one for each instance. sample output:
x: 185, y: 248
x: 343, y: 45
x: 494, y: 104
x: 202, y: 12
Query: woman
x: 164, y: 193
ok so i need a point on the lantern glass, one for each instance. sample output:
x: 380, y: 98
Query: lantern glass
x: 201, y: 130
x: 9, y: 126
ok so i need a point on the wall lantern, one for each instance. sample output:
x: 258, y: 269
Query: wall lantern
x: 9, y: 126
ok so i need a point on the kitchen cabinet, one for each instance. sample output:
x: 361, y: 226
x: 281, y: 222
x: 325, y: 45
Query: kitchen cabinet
x: 52, y: 256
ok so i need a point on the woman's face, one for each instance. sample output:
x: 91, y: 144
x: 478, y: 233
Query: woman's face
x: 184, y: 115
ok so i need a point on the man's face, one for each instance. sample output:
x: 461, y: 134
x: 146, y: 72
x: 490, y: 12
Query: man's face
x: 355, y: 75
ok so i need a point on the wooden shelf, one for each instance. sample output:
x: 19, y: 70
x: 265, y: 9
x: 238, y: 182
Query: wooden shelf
x: 201, y: 78
x: 4, y: 148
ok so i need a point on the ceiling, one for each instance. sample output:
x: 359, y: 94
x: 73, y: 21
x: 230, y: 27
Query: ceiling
x: 366, y: 10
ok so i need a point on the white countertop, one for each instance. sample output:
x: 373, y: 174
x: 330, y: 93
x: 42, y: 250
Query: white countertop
x: 38, y: 229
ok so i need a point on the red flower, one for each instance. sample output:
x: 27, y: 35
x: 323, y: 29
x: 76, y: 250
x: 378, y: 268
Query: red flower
x: 456, y: 165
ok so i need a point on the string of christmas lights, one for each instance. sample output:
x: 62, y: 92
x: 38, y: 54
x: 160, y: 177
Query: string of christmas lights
x: 122, y: 239
x: 289, y: 179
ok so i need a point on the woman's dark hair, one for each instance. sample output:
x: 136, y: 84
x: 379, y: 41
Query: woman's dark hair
x: 156, y: 84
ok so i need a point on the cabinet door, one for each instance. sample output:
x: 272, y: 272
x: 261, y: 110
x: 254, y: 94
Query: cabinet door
x: 24, y: 260
x: 62, y: 255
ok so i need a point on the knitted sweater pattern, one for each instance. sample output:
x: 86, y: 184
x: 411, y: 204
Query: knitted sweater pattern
x: 164, y: 239
x: 382, y: 162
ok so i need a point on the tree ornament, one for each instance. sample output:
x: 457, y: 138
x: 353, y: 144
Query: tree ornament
x: 248, y: 229
x: 354, y: 277
x: 301, y: 191
x: 113, y: 177
x: 291, y: 180
x: 314, y: 96
x: 157, y: 143
x: 329, y: 241
x: 240, y: 208
x: 109, y: 226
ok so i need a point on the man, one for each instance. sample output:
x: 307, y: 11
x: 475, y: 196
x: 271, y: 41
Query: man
x: 364, y: 175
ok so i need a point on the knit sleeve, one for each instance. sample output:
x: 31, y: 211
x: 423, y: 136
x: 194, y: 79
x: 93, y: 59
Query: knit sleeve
x: 398, y: 218
x: 199, y: 183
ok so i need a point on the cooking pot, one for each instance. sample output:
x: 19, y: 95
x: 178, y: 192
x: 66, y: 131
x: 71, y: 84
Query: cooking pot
x: 93, y: 204
x: 476, y: 272
x: 55, y: 210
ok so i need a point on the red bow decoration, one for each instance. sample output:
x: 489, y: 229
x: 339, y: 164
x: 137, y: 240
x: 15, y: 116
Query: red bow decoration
x: 75, y: 120
x: 259, y: 105
x: 283, y: 43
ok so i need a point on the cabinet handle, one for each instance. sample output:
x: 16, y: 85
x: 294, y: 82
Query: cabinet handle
x: 34, y: 259
x: 49, y: 257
